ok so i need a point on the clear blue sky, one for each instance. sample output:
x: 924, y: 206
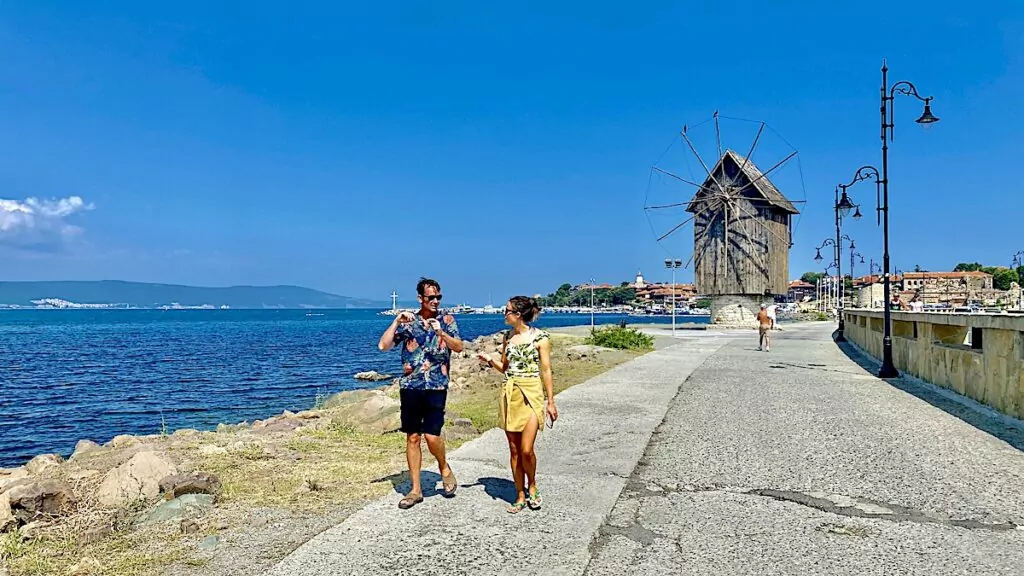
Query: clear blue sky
x: 502, y: 150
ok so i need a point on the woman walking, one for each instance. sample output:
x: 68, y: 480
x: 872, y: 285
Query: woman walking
x: 526, y: 363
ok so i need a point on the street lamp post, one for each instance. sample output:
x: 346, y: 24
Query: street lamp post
x: 1018, y: 262
x: 674, y: 265
x: 888, y: 369
x: 592, y: 281
x: 837, y: 245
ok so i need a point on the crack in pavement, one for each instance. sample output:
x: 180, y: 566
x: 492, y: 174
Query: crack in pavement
x: 840, y: 505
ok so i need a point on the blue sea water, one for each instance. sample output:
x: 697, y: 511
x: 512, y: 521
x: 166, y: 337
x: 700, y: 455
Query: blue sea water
x: 67, y: 375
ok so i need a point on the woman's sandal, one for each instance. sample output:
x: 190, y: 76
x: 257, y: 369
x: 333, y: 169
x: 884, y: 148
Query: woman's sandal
x: 533, y: 500
x: 410, y: 500
x: 516, y: 507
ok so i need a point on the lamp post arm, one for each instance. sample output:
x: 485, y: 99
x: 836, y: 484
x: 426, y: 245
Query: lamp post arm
x: 907, y: 89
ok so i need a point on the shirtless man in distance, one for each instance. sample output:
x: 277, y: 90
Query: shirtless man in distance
x: 764, y: 330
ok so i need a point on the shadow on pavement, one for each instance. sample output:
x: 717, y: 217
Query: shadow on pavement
x: 1007, y: 431
x: 497, y: 488
x: 401, y: 484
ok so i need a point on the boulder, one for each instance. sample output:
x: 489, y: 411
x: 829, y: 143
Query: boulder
x: 342, y: 399
x: 9, y: 476
x: 7, y: 520
x: 369, y: 411
x: 183, y: 507
x: 84, y: 447
x: 185, y: 433
x: 121, y: 441
x: 372, y: 376
x: 43, y: 463
x: 30, y: 498
x: 195, y: 483
x: 583, y: 351
x: 139, y: 477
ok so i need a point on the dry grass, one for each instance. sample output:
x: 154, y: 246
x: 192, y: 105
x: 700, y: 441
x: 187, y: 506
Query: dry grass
x: 321, y: 468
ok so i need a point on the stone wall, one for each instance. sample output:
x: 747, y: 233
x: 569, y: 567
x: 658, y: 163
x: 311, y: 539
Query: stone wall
x: 739, y: 311
x: 978, y: 355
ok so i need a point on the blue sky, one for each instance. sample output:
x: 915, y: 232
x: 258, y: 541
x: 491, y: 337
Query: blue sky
x: 501, y: 149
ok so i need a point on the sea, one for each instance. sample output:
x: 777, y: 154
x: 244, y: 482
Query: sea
x: 68, y: 375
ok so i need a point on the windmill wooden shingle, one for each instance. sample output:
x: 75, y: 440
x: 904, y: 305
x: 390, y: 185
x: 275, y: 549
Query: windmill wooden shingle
x: 742, y: 231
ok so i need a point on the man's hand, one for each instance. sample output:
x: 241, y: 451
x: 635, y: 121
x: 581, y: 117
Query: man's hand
x: 404, y: 317
x: 434, y: 324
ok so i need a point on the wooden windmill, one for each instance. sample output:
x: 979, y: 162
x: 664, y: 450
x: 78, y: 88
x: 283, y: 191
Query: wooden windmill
x: 742, y: 230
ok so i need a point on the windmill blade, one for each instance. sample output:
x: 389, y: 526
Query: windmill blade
x: 757, y: 220
x: 694, y: 150
x: 718, y: 134
x: 677, y: 227
x: 681, y: 179
x: 769, y: 171
x: 745, y: 223
x: 753, y: 146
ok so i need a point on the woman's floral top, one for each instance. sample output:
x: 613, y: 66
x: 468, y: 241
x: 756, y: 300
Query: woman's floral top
x: 524, y: 357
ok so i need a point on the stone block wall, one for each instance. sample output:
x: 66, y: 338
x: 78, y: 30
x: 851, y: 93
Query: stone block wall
x: 978, y: 355
x: 736, y: 311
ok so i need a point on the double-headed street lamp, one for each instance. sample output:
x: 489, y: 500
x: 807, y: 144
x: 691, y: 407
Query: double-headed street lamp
x: 888, y: 369
x: 674, y: 265
x: 888, y: 97
x: 853, y: 257
x: 837, y: 245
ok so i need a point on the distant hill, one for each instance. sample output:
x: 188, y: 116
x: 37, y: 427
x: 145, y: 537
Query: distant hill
x: 146, y: 295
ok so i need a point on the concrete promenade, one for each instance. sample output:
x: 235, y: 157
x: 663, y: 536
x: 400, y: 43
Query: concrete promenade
x: 707, y: 457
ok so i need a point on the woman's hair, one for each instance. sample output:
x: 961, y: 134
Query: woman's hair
x: 526, y: 307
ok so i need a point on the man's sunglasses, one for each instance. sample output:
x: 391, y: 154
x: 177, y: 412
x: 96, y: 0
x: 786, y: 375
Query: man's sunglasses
x: 434, y: 297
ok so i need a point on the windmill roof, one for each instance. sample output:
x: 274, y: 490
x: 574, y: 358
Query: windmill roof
x: 760, y: 182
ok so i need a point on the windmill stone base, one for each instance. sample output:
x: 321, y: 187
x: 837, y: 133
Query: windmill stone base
x: 736, y: 311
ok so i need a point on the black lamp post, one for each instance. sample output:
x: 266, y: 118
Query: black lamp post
x: 888, y: 369
x: 853, y: 260
x: 836, y: 261
x: 1018, y: 261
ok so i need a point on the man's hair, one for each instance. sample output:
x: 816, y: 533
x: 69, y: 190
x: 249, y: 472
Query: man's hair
x: 421, y: 286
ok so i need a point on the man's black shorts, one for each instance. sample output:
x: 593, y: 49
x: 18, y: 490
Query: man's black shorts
x: 422, y: 411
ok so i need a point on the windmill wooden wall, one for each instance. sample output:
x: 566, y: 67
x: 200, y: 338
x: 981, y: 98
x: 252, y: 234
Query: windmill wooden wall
x: 742, y: 248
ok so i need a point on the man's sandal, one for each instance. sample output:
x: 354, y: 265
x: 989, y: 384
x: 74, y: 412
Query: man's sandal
x: 533, y: 500
x: 516, y: 507
x: 410, y: 501
x: 449, y: 482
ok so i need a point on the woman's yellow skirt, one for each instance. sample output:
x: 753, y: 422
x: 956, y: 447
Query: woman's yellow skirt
x: 521, y: 397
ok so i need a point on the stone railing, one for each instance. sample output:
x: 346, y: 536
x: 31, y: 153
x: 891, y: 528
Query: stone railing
x: 978, y: 355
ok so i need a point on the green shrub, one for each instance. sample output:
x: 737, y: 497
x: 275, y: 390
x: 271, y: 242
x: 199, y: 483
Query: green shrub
x: 621, y: 338
x: 822, y: 317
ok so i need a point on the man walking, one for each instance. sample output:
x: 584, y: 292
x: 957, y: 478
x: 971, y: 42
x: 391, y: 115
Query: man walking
x: 763, y: 330
x: 426, y: 343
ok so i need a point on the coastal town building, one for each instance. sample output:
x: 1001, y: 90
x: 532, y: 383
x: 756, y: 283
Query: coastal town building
x: 799, y: 291
x: 662, y: 293
x: 943, y: 281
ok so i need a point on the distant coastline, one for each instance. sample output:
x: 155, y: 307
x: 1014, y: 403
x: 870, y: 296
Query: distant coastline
x: 121, y: 295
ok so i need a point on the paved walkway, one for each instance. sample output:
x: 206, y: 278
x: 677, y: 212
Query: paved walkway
x: 707, y: 457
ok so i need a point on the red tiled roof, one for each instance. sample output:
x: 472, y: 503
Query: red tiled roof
x: 800, y: 284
